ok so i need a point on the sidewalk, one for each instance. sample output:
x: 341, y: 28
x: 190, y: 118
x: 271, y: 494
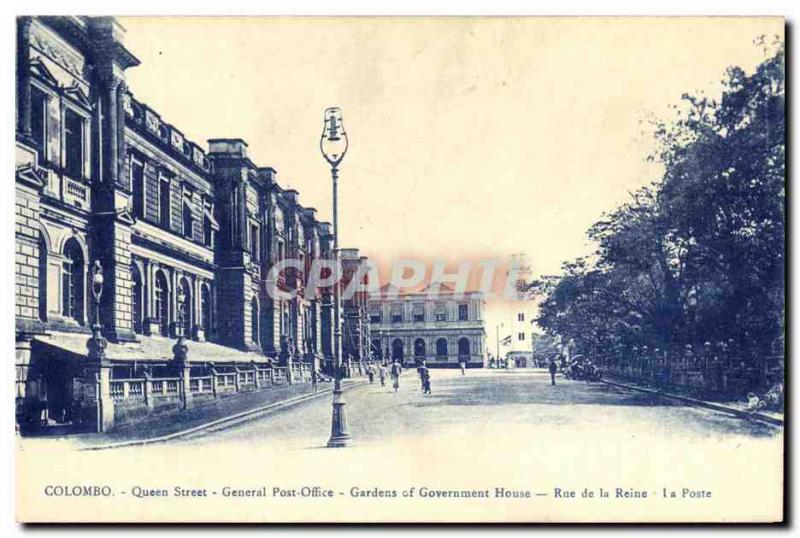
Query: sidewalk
x: 215, y: 413
x: 737, y: 409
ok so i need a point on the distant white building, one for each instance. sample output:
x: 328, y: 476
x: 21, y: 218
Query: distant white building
x: 516, y: 332
x: 443, y: 328
x: 520, y: 330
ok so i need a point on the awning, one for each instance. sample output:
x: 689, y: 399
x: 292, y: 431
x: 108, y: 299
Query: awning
x: 152, y: 349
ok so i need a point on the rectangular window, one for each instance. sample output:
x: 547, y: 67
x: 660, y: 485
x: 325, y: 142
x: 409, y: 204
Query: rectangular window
x: 73, y: 143
x: 38, y: 121
x: 521, y: 337
x: 164, y: 202
x: 419, y: 312
x: 463, y: 312
x: 188, y: 220
x: 254, y: 245
x: 521, y: 316
x: 208, y: 237
x: 137, y: 187
x: 397, y: 318
x: 375, y: 318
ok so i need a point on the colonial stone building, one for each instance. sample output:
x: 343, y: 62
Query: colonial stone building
x: 186, y: 236
x: 355, y: 323
x: 442, y: 327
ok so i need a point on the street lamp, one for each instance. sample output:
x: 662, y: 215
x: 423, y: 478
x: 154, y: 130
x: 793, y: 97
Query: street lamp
x: 333, y: 145
x: 181, y: 306
x: 97, y: 292
x: 97, y: 344
x: 180, y: 350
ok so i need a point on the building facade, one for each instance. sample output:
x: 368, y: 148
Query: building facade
x: 521, y: 336
x: 441, y: 327
x: 355, y: 323
x: 185, y: 235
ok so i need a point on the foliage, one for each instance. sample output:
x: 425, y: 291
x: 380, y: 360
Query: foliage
x: 698, y: 255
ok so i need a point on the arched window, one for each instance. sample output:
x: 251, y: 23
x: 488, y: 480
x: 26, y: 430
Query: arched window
x: 254, y: 319
x: 463, y: 347
x: 205, y: 308
x: 72, y: 281
x: 42, y: 279
x: 397, y: 349
x: 161, y: 302
x: 138, y: 290
x: 419, y: 348
x: 186, y: 307
x: 441, y: 347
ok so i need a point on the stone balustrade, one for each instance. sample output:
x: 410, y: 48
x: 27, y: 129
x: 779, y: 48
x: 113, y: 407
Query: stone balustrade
x: 714, y: 373
x: 135, y: 397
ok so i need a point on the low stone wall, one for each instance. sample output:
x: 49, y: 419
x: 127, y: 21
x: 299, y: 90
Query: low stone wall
x: 137, y: 398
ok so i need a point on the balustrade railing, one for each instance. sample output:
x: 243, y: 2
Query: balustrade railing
x: 230, y: 380
x: 122, y: 389
x: 711, y: 372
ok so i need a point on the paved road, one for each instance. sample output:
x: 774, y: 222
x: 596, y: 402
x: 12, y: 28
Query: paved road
x: 489, y: 430
x: 490, y: 401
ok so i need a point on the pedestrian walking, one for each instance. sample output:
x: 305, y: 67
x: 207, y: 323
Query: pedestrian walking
x: 314, y: 376
x: 426, y: 380
x: 382, y: 374
x: 463, y: 366
x: 553, y: 368
x: 370, y: 374
x: 396, y: 371
x: 420, y: 369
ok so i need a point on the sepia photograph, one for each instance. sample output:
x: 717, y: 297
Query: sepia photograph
x: 399, y: 269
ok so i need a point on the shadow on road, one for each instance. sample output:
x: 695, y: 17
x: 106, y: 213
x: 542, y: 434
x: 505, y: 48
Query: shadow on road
x: 521, y: 390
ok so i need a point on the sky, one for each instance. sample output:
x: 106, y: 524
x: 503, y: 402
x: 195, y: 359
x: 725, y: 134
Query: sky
x: 469, y: 138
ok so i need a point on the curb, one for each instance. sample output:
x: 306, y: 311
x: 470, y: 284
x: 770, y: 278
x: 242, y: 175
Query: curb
x: 702, y: 403
x: 221, y: 422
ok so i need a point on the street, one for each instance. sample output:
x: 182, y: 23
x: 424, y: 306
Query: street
x: 483, y: 402
x: 536, y: 449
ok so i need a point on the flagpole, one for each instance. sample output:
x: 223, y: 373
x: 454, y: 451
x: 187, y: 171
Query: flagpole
x: 497, y: 338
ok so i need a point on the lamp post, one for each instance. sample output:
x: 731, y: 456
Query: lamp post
x: 333, y: 145
x: 98, y: 364
x: 181, y: 320
x: 180, y: 350
x: 97, y: 344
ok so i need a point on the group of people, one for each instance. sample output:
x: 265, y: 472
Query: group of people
x: 394, y: 372
x: 579, y: 368
x: 771, y: 400
x: 383, y: 372
x: 582, y: 369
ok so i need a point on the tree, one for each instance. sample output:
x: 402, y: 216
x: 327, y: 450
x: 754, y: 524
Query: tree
x: 699, y: 255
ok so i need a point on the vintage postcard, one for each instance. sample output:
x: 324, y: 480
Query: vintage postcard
x: 463, y: 269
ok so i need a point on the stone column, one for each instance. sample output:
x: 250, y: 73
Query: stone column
x: 23, y: 399
x: 98, y: 377
x: 24, y: 80
x: 180, y: 354
x: 148, y: 390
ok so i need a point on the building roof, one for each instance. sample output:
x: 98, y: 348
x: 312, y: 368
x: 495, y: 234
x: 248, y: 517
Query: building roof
x: 444, y: 291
